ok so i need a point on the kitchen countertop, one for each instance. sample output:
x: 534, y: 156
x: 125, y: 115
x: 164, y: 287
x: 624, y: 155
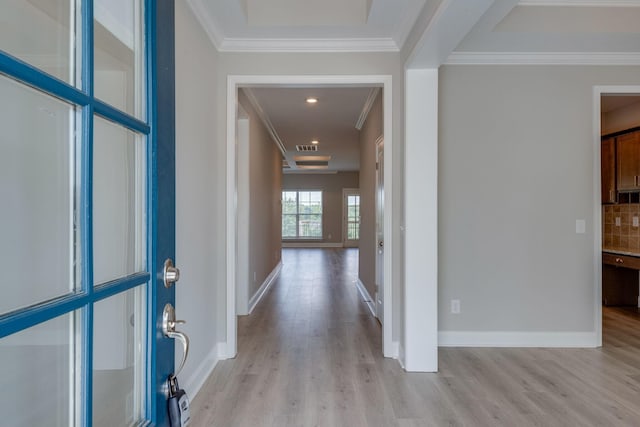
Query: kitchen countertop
x: 621, y: 251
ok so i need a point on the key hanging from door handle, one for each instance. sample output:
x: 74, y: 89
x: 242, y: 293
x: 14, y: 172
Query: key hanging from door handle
x: 169, y: 323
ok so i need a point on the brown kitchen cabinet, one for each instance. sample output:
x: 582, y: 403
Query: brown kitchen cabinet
x: 608, y: 170
x: 628, y: 161
x: 620, y: 279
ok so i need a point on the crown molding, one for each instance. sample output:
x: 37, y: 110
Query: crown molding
x: 543, y: 58
x: 280, y: 45
x: 207, y: 22
x: 581, y: 3
x: 308, y: 45
x: 275, y: 137
x: 366, y: 109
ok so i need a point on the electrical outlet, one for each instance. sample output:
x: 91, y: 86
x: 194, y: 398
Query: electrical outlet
x: 617, y: 221
x: 580, y: 226
x: 455, y: 306
x: 634, y: 221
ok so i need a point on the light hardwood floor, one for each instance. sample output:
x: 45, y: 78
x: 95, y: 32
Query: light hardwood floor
x: 310, y: 355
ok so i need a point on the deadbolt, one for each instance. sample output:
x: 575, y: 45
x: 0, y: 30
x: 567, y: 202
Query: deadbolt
x: 170, y: 273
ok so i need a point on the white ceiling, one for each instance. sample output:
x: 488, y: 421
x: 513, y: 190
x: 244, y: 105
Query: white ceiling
x: 332, y: 121
x: 308, y: 25
x: 599, y: 32
x: 544, y: 31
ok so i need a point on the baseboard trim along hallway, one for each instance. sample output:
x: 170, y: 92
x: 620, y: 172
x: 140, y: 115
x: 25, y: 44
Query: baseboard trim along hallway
x: 255, y: 299
x: 517, y: 339
x: 194, y: 383
x: 366, y: 297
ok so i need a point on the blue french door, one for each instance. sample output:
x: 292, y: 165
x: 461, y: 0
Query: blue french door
x: 88, y: 216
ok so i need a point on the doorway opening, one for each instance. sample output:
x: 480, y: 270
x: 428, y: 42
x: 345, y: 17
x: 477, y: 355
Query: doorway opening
x: 233, y: 190
x: 617, y: 210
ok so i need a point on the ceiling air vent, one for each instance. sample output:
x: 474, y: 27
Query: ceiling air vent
x: 305, y: 148
x: 315, y: 164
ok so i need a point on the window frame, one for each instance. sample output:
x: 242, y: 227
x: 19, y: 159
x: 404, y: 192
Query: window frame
x: 298, y: 215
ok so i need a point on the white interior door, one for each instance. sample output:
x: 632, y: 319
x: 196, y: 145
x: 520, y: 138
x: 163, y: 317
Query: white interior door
x: 380, y: 229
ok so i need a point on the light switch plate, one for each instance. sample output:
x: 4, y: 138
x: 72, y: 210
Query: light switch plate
x: 580, y: 226
x: 617, y: 221
x: 634, y: 221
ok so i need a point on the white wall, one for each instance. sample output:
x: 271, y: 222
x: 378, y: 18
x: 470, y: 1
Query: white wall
x: 372, y: 129
x: 262, y: 165
x: 199, y: 245
x: 516, y: 165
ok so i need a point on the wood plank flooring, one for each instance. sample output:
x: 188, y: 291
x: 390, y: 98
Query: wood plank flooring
x: 310, y: 355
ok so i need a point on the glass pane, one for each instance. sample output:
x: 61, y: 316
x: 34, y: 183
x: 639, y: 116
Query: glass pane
x: 310, y: 202
x: 118, y: 365
x: 119, y: 184
x: 310, y: 226
x: 36, y: 367
x: 288, y: 225
x: 118, y: 54
x: 289, y: 202
x: 40, y: 32
x: 37, y: 188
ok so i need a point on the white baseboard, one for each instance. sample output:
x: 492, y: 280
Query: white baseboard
x: 401, y: 357
x: 311, y: 245
x: 395, y: 349
x: 516, y: 339
x: 223, y: 352
x: 366, y: 297
x: 255, y: 299
x: 194, y: 383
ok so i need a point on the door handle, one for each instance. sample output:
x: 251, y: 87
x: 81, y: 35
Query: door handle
x: 381, y: 243
x: 169, y: 323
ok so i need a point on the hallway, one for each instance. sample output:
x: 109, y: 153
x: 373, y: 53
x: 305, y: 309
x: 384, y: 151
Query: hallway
x: 310, y: 355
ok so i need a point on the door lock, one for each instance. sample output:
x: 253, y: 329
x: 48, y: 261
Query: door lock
x: 170, y: 274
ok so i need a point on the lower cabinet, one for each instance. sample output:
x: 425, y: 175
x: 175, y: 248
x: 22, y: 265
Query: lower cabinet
x: 620, y: 284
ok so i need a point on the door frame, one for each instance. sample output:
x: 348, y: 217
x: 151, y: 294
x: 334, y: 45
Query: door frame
x: 379, y: 278
x: 234, y: 82
x: 345, y: 222
x: 598, y: 91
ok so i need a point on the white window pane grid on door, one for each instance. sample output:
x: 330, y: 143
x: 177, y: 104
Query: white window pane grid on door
x: 118, y: 359
x: 43, y: 34
x: 40, y: 240
x: 353, y: 217
x: 119, y: 202
x: 38, y: 367
x: 118, y: 29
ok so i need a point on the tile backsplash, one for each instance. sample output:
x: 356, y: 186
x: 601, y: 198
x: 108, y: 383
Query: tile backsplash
x: 619, y: 228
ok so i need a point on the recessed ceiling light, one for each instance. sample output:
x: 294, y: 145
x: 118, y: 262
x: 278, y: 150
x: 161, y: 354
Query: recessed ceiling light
x: 315, y: 142
x: 312, y: 100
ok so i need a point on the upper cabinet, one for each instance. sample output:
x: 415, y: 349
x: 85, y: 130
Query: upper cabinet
x: 608, y: 168
x: 628, y: 162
